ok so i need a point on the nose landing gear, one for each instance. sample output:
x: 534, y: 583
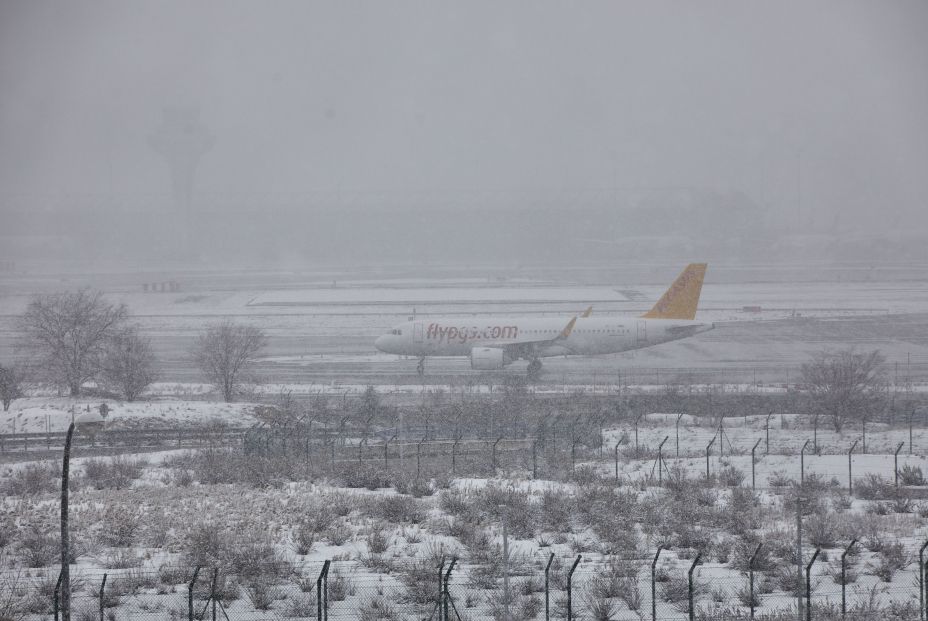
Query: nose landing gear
x: 534, y: 369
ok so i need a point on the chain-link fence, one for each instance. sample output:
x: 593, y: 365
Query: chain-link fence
x: 665, y: 587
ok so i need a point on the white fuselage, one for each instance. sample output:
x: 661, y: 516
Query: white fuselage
x: 533, y: 337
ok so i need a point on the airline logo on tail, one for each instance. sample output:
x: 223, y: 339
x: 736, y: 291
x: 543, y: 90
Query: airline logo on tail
x: 681, y: 299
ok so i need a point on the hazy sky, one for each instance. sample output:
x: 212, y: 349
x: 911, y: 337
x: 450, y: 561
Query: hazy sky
x: 401, y: 97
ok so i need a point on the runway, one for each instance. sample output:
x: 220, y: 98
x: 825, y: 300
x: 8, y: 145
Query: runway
x: 321, y: 329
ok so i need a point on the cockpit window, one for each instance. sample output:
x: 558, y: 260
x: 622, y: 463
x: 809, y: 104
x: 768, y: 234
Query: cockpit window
x: 396, y: 332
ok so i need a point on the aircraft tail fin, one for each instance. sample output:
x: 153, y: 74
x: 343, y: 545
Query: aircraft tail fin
x: 681, y: 299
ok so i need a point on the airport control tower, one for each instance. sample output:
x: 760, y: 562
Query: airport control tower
x: 182, y: 139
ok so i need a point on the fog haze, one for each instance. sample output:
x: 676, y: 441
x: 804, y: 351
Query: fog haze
x: 557, y: 123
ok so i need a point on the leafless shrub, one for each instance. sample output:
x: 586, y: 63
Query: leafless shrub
x: 821, y: 528
x: 38, y: 478
x: 262, y: 594
x: 377, y: 540
x: 730, y: 476
x: 120, y: 526
x: 601, y: 609
x: 365, y: 476
x: 121, y: 559
x: 128, y: 363
x: 413, y: 486
x: 301, y: 606
x: 399, y: 509
x: 850, y: 574
x: 911, y: 476
x: 377, y: 608
x: 453, y: 501
x: 112, y: 473
x: 225, y: 353
x: 892, y: 558
x: 845, y: 385
x: 304, y: 537
x: 617, y: 580
x: 14, y: 605
x: 873, y: 487
x: 419, y: 580
x: 10, y: 385
x: 557, y: 506
x: 677, y: 590
x: 337, y: 534
x: 38, y: 548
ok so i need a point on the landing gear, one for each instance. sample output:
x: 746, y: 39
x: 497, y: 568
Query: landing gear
x: 420, y: 368
x: 534, y: 369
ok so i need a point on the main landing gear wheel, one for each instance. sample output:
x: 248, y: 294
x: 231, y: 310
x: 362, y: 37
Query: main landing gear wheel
x: 534, y: 368
x: 420, y: 368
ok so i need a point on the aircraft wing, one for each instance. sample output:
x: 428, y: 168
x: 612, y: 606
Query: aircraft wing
x: 527, y: 349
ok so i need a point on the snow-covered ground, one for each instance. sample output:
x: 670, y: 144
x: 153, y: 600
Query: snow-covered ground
x: 38, y: 414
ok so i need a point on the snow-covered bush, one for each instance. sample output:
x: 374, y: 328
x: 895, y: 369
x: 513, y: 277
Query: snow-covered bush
x: 37, y: 478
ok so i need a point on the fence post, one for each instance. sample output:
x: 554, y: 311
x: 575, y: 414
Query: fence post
x: 896, y: 463
x: 802, y: 463
x: 921, y: 581
x: 660, y: 460
x: 441, y: 568
x: 709, y: 448
x: 454, y: 455
x: 690, y: 585
x: 212, y: 590
x: 767, y: 434
x: 753, y: 461
x: 809, y: 584
x: 638, y: 418
x: 863, y: 434
x: 570, y: 577
x: 193, y: 581
x: 751, y: 573
x: 57, y: 590
x: 419, y: 457
x: 447, y: 594
x: 653, y: 583
x: 844, y: 580
x: 494, y: 453
x: 850, y: 472
x: 322, y: 593
x: 677, y: 429
x: 911, y: 416
x: 102, y: 588
x: 534, y: 460
x: 547, y: 600
x: 386, y: 451
x: 616, y: 462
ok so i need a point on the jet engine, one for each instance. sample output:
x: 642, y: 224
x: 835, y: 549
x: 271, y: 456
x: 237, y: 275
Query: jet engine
x: 488, y: 358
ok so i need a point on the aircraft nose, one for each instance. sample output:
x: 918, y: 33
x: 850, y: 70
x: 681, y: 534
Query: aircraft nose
x: 380, y: 342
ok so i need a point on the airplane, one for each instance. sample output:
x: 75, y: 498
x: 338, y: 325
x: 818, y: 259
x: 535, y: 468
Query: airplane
x: 493, y: 343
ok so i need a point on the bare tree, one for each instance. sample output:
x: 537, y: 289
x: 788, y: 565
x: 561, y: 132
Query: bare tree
x: 10, y: 390
x: 128, y: 364
x: 69, y: 332
x: 845, y: 385
x: 226, y: 351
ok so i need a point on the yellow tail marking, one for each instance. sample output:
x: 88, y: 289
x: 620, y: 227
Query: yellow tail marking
x: 587, y: 312
x: 567, y: 329
x: 681, y: 299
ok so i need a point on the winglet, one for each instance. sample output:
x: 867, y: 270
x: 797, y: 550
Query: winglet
x: 588, y: 311
x: 681, y: 299
x: 567, y: 329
